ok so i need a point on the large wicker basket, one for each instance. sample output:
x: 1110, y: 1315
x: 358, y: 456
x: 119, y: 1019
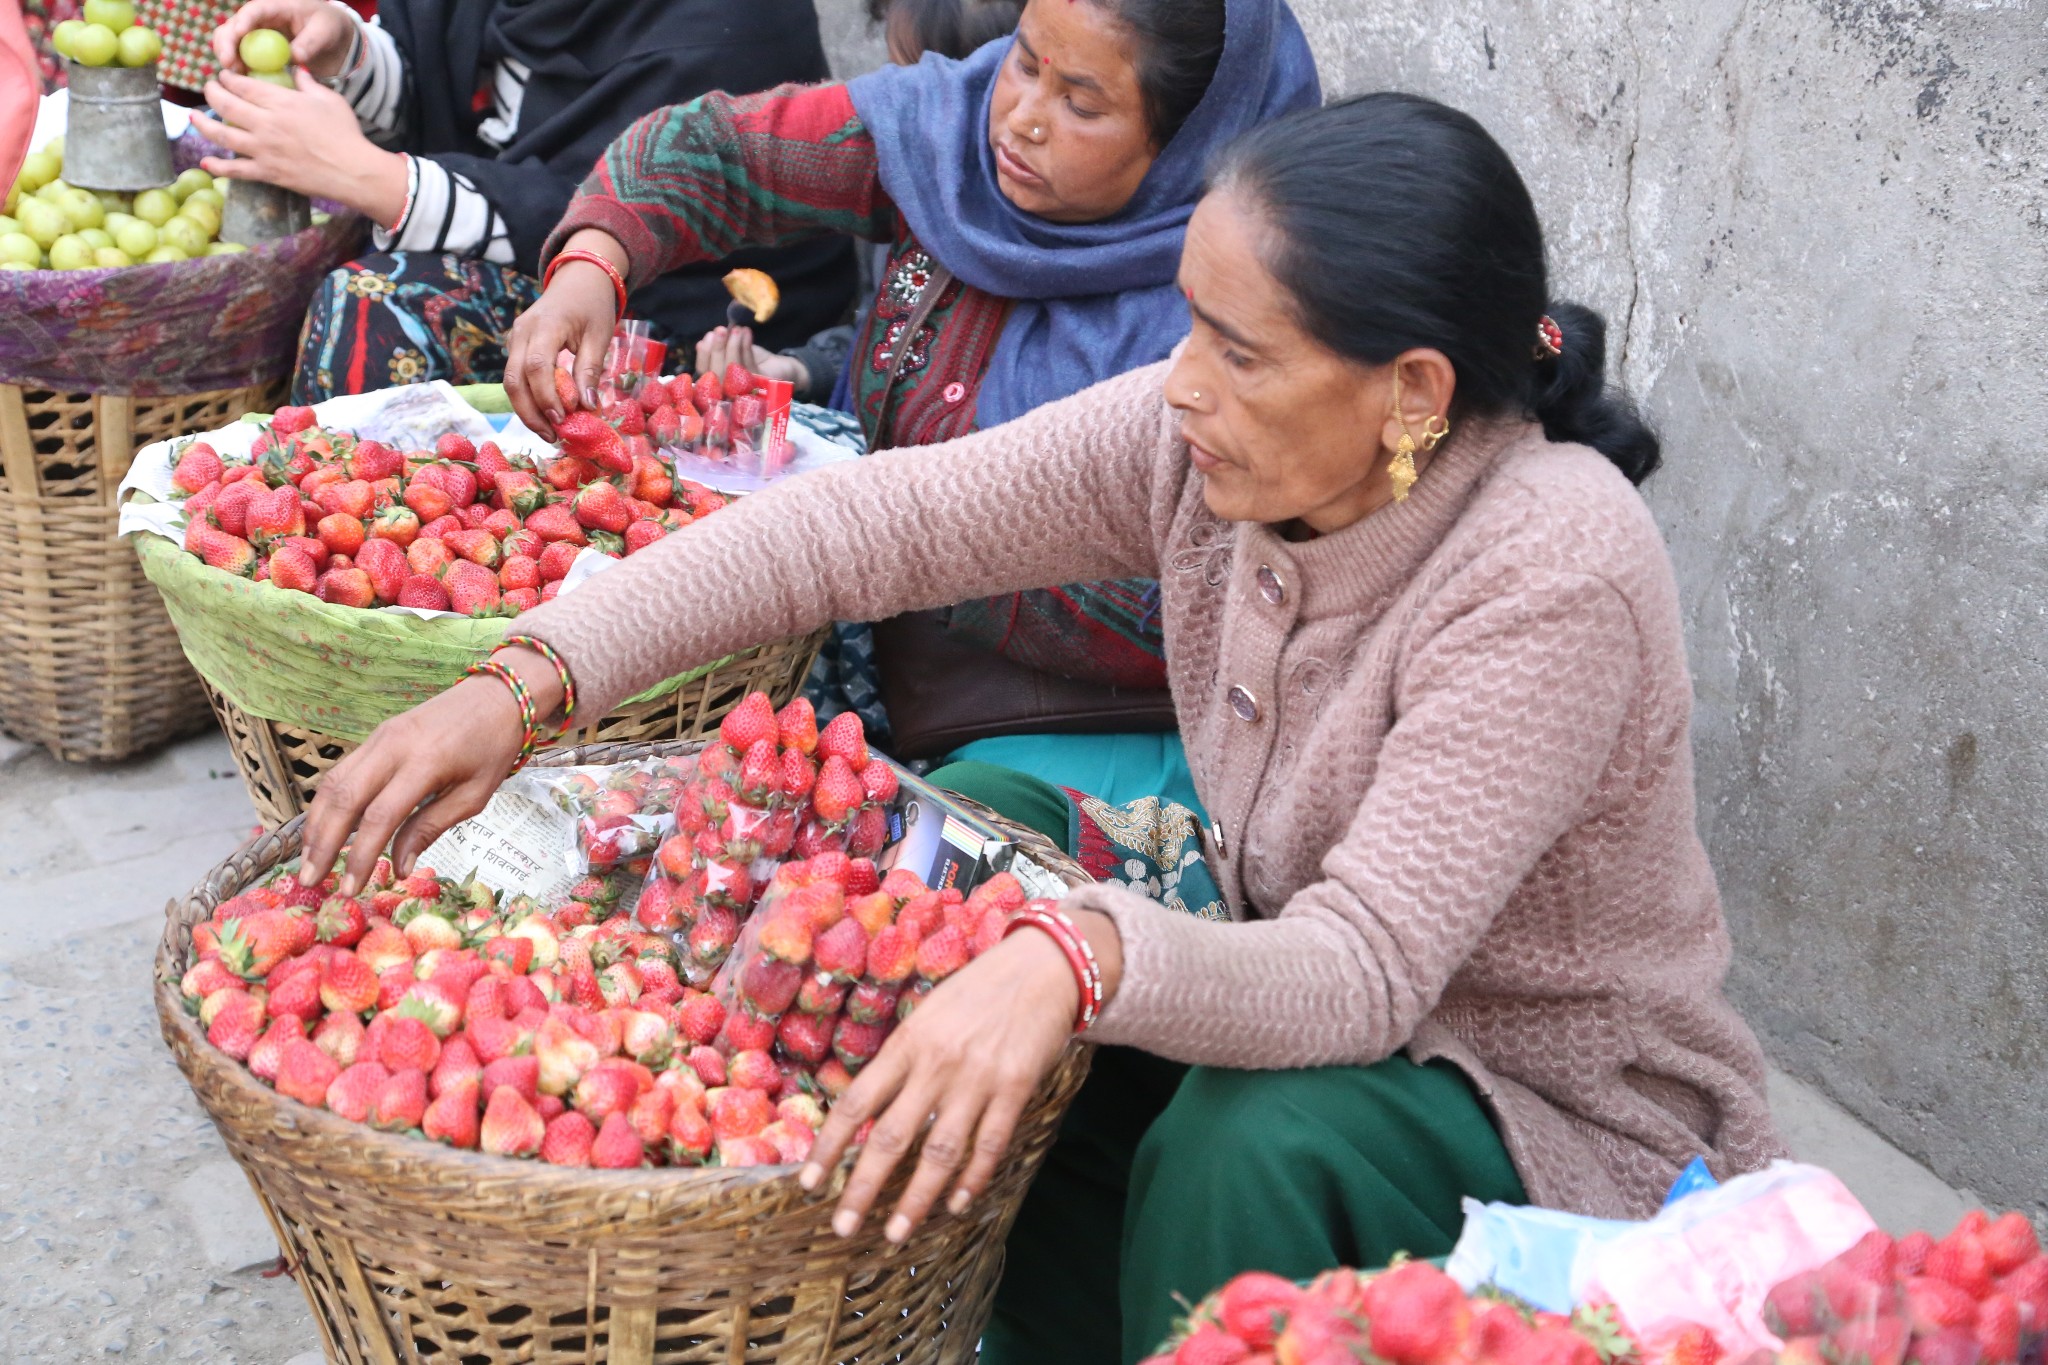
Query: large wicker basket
x: 282, y: 764
x: 410, y: 1251
x: 89, y: 664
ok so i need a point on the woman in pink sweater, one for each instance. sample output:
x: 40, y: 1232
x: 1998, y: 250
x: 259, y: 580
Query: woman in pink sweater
x: 1436, y: 701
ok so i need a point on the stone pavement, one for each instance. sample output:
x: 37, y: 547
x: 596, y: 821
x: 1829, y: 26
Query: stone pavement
x: 126, y: 1231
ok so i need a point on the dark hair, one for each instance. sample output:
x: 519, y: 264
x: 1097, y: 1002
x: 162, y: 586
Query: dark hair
x: 951, y: 28
x: 1179, y: 43
x: 1402, y: 223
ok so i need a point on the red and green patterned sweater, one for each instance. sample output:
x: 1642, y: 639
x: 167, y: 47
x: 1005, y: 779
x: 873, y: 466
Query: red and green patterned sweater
x: 695, y: 182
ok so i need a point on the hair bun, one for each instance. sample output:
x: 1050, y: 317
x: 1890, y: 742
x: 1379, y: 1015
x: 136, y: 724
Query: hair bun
x: 1575, y: 403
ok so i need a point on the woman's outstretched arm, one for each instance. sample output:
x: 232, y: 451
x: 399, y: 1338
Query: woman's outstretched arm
x: 1063, y: 493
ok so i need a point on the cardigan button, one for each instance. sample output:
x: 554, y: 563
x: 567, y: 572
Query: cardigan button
x: 1216, y: 835
x: 1271, y: 586
x: 1244, y: 705
x: 954, y: 392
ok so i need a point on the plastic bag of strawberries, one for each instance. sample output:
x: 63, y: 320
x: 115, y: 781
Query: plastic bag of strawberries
x: 623, y: 811
x: 771, y: 786
x: 1412, y: 1314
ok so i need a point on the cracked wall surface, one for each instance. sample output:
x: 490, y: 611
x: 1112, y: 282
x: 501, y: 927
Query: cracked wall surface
x: 1819, y: 229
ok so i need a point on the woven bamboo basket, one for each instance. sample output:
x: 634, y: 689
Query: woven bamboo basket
x: 282, y: 764
x: 90, y: 666
x: 411, y: 1251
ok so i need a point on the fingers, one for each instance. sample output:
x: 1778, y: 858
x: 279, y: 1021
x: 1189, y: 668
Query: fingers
x: 234, y: 109
x: 338, y: 806
x: 229, y: 168
x: 944, y: 1148
x: 591, y: 345
x: 249, y: 95
x: 889, y: 1141
x: 878, y: 1080
x: 226, y: 135
x: 405, y: 787
x: 530, y: 370
x: 991, y: 1140
x: 436, y: 818
x: 707, y: 349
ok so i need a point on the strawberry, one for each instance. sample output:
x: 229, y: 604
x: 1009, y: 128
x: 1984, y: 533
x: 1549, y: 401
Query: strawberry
x: 520, y: 1073
x: 799, y: 775
x: 199, y: 465
x: 806, y: 1037
x: 341, y: 1036
x: 519, y: 572
x: 290, y: 421
x: 219, y: 550
x: 643, y: 533
x: 603, y: 507
x: 944, y: 953
x: 1209, y: 1344
x: 607, y: 1088
x: 821, y: 995
x: 709, y: 1064
x: 256, y: 943
x: 841, y: 951
x: 707, y: 391
x: 1942, y: 1348
x: 617, y: 1147
x: 304, y: 1072
x: 275, y: 515
x: 1934, y: 1305
x: 341, y: 921
x: 845, y: 737
x: 206, y: 977
x: 833, y: 1078
x: 384, y: 561
x: 863, y: 878
x: 923, y: 915
x: 1253, y: 1307
x: 1959, y: 1258
x: 874, y: 910
x: 838, y: 791
x: 453, y: 445
x: 892, y: 956
x: 352, y: 1093
x: 1998, y: 1328
x: 297, y: 995
x: 457, y: 1066
x: 373, y: 460
x: 2009, y: 1242
x: 423, y: 594
x: 472, y: 589
x: 855, y: 1044
x: 871, y: 1003
x: 510, y: 1127
x: 400, y: 1103
x: 1695, y: 1345
x: 787, y: 938
x: 753, y: 1070
x: 236, y: 1024
x: 736, y: 1111
x: 650, y: 1115
x: 700, y: 1017
x: 452, y: 1117
x: 690, y: 1135
x: 347, y: 985
x: 567, y: 1139
x: 587, y: 436
x: 478, y: 547
x: 760, y: 774
x: 346, y: 588
x: 768, y: 987
x: 625, y: 416
x: 868, y: 832
x: 429, y: 555
x: 555, y: 560
x: 557, y: 523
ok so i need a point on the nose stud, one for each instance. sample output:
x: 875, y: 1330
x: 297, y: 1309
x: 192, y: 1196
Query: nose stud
x: 1196, y: 395
x: 1036, y: 132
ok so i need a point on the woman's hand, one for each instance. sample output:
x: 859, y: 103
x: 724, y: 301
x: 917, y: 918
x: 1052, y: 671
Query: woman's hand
x: 321, y: 34
x: 450, y: 753
x: 306, y: 139
x: 723, y: 346
x: 577, y: 314
x: 967, y: 1061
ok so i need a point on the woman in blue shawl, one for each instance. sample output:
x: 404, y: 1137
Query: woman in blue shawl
x: 1034, y: 198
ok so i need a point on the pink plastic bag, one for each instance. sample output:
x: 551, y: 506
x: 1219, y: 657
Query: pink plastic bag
x: 1712, y: 1259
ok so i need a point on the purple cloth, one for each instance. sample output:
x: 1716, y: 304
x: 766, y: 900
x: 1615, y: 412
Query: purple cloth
x: 1092, y: 300
x: 218, y: 322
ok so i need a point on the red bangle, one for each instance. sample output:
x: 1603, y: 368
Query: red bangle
x: 1046, y: 917
x: 412, y: 188
x: 579, y: 254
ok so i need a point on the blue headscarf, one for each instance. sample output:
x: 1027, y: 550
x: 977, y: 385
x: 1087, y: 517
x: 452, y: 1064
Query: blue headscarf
x: 1091, y: 300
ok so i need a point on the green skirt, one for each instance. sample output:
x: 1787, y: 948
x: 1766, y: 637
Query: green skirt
x: 1166, y: 1180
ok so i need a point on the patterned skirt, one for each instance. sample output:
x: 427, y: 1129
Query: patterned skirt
x: 406, y: 318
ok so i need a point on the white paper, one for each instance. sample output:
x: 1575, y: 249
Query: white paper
x: 1039, y: 884
x: 516, y: 845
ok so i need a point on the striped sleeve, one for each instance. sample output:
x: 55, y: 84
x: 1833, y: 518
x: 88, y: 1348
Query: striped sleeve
x: 695, y: 182
x: 373, y: 81
x: 446, y: 212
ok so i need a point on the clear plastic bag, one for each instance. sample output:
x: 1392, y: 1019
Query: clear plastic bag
x: 623, y: 811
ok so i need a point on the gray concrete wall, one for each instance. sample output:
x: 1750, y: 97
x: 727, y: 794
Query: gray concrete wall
x: 1817, y: 229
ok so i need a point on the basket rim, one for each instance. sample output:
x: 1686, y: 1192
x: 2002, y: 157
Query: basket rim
x: 395, y: 1152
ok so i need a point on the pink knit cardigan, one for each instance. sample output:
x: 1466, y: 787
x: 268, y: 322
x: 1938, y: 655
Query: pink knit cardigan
x: 1445, y: 749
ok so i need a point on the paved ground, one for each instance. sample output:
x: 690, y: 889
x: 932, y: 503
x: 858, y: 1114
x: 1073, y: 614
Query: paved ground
x: 125, y: 1229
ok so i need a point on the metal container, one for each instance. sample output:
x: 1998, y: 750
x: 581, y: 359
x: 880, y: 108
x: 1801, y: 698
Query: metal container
x: 256, y: 213
x: 114, y: 138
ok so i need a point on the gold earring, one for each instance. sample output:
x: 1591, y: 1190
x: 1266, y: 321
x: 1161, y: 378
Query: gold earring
x: 1434, y: 429
x: 1401, y: 473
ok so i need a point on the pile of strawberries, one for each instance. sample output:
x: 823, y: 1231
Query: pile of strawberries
x: 570, y: 1033
x: 1413, y: 1314
x: 771, y: 786
x: 463, y: 528
x: 622, y: 812
x: 1978, y: 1296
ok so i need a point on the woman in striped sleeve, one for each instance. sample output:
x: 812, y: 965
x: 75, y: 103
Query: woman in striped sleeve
x: 461, y: 128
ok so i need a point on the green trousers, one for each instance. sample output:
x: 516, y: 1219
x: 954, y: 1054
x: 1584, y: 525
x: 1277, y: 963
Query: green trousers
x: 1166, y: 1180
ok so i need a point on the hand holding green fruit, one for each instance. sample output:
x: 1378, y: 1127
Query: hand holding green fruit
x: 314, y: 34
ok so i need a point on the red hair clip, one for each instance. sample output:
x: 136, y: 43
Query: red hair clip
x: 1549, y: 338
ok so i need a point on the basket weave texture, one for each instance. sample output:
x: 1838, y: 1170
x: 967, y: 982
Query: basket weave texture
x: 410, y: 1251
x: 90, y: 666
